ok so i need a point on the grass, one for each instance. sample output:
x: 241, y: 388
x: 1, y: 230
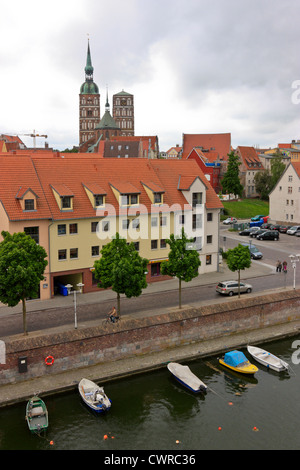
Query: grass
x: 245, y: 208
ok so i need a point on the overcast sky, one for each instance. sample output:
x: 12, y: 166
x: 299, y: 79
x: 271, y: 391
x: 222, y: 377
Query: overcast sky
x: 193, y: 66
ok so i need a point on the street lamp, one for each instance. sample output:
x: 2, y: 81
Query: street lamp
x: 294, y: 259
x: 69, y: 287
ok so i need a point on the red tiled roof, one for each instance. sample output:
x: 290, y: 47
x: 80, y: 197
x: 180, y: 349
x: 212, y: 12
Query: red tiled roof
x: 220, y: 144
x: 249, y: 157
x: 296, y: 167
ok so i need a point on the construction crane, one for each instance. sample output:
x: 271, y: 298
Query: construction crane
x: 34, y: 135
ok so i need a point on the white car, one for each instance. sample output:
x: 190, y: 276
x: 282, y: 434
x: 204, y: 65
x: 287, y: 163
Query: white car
x: 229, y: 221
x: 293, y: 230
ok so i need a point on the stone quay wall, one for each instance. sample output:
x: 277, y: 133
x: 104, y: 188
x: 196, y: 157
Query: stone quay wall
x: 71, y: 349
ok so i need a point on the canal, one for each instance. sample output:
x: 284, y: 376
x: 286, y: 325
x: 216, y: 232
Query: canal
x: 153, y: 412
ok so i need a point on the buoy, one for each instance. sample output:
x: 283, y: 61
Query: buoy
x: 177, y: 441
x: 49, y: 360
x: 219, y: 428
x: 255, y: 428
x: 230, y: 403
x: 51, y: 443
x: 105, y: 436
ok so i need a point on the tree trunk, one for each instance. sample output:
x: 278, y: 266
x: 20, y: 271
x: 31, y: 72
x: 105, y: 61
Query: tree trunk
x: 239, y: 287
x: 24, y: 317
x: 179, y: 293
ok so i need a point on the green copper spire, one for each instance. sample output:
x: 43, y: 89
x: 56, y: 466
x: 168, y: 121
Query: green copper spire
x: 89, y: 87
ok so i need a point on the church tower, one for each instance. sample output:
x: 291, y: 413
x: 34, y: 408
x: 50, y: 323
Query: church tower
x: 89, y: 103
x: 123, y: 112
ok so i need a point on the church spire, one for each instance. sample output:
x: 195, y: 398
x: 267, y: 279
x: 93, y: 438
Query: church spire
x: 89, y: 69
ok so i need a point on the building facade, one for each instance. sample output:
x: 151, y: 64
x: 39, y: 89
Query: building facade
x: 285, y: 197
x: 123, y: 112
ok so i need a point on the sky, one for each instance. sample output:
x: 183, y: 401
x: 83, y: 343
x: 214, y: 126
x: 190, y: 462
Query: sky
x: 193, y: 66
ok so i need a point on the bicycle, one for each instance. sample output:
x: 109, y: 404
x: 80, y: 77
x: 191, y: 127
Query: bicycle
x: 109, y: 319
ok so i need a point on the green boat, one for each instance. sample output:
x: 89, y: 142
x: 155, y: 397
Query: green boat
x: 36, y: 415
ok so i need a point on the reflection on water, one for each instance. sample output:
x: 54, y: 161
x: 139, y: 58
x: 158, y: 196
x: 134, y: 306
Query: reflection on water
x: 153, y: 411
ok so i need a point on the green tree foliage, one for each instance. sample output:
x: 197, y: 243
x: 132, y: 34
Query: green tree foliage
x: 238, y: 259
x: 231, y: 182
x: 121, y: 268
x: 22, y: 266
x: 277, y: 168
x: 263, y: 184
x: 183, y: 262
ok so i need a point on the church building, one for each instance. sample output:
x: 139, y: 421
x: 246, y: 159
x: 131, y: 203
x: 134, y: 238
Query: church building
x: 91, y: 125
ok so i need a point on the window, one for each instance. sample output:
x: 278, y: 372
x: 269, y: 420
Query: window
x: 209, y: 217
x: 136, y: 245
x: 95, y: 250
x: 290, y: 178
x: 105, y: 226
x: 197, y: 199
x: 208, y: 259
x: 153, y: 244
x: 163, y: 221
x: 154, y: 221
x: 125, y: 224
x: 134, y: 199
x: 181, y: 220
x: 94, y: 226
x: 62, y: 255
x: 136, y: 223
x: 33, y: 232
x: 61, y: 229
x: 73, y: 228
x: 157, y: 198
x: 209, y: 239
x: 155, y: 269
x: 197, y: 221
x: 98, y: 200
x: 29, y: 204
x: 290, y: 189
x: 66, y: 202
x: 73, y: 253
x: 163, y: 243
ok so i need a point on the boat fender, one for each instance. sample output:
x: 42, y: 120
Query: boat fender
x: 49, y: 360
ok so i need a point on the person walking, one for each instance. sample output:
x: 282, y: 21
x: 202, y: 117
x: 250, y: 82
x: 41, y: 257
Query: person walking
x: 278, y: 266
x: 284, y: 266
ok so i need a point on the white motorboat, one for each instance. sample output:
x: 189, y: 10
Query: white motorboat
x: 267, y: 359
x: 94, y: 396
x: 185, y: 376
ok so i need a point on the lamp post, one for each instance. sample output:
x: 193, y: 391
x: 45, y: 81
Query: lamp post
x: 69, y: 287
x: 294, y: 259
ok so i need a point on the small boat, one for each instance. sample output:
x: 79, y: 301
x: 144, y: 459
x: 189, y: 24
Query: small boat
x: 36, y: 415
x: 94, y: 396
x: 185, y: 376
x: 267, y: 359
x: 238, y: 362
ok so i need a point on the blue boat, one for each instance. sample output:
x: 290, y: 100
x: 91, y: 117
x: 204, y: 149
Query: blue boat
x: 237, y: 361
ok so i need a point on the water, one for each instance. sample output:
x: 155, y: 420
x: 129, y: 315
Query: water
x: 153, y: 412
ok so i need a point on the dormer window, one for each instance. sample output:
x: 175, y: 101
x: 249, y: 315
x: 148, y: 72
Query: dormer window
x: 157, y: 198
x: 66, y: 202
x: 129, y: 199
x: 99, y: 200
x: 64, y: 197
x: 29, y: 205
x: 96, y: 194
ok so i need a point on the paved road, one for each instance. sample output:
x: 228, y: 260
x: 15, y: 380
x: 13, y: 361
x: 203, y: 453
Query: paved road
x: 160, y: 300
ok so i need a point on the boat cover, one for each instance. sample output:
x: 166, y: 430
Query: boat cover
x: 234, y: 358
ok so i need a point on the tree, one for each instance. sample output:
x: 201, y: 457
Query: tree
x: 22, y: 266
x: 238, y: 259
x: 183, y: 262
x: 121, y: 268
x: 277, y: 168
x: 263, y: 183
x: 231, y: 182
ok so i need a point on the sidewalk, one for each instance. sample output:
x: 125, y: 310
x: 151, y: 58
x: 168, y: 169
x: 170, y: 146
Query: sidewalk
x: 257, y: 269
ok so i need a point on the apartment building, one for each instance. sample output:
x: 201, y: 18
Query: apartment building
x: 285, y: 197
x: 81, y: 201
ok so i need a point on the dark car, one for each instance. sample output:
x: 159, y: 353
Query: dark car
x: 275, y: 227
x: 254, y: 252
x: 268, y: 235
x: 247, y: 231
x: 258, y: 232
x: 283, y: 229
x: 266, y: 226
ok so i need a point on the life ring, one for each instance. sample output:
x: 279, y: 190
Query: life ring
x: 49, y: 360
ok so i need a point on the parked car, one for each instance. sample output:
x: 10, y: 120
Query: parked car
x: 266, y: 226
x: 229, y: 221
x: 268, y: 235
x: 293, y: 230
x: 283, y: 229
x: 297, y: 234
x: 256, y: 218
x: 254, y: 252
x: 275, y: 227
x: 257, y: 232
x: 247, y: 231
x: 232, y: 287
